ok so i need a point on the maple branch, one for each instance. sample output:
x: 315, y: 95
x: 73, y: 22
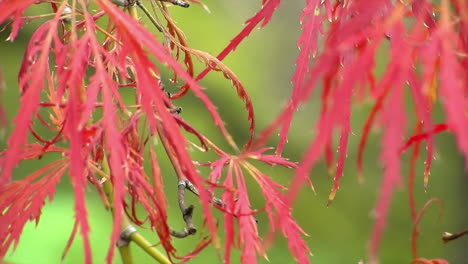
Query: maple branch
x: 187, y: 212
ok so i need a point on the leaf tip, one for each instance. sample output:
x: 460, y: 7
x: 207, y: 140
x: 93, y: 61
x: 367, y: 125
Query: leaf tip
x: 331, y: 197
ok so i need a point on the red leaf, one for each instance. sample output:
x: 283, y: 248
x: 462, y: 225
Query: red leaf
x: 248, y: 232
x: 31, y: 84
x: 263, y: 16
x: 423, y: 136
x: 70, y: 240
x: 393, y: 113
x: 271, y: 159
x: 422, y: 10
x: 307, y: 44
x: 229, y: 200
x: 116, y: 158
x: 22, y: 201
x: 14, y: 9
x: 281, y: 218
x: 452, y: 82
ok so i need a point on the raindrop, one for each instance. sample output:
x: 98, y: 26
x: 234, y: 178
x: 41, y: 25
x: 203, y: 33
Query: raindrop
x: 67, y: 10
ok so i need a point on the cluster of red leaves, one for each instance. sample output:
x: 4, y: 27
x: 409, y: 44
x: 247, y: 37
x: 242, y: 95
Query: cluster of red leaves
x: 82, y: 75
x: 428, y: 54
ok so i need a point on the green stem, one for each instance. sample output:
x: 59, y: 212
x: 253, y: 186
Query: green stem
x: 148, y: 248
x: 126, y: 254
x: 136, y: 237
x: 148, y: 14
x: 132, y: 9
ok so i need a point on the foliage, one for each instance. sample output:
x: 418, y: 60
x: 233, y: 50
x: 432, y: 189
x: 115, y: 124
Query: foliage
x: 79, y: 62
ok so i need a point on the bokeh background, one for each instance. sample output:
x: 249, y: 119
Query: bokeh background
x: 264, y: 62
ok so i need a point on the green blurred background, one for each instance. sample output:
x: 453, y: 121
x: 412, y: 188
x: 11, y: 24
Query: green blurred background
x: 264, y: 62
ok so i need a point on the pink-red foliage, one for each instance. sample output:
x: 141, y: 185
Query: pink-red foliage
x: 80, y: 70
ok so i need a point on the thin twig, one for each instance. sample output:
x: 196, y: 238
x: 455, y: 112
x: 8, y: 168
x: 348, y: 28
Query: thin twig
x: 148, y: 14
x: 447, y: 237
x: 187, y: 212
x: 177, y: 2
x: 193, y: 189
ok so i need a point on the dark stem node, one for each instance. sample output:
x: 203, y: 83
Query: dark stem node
x: 187, y: 212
